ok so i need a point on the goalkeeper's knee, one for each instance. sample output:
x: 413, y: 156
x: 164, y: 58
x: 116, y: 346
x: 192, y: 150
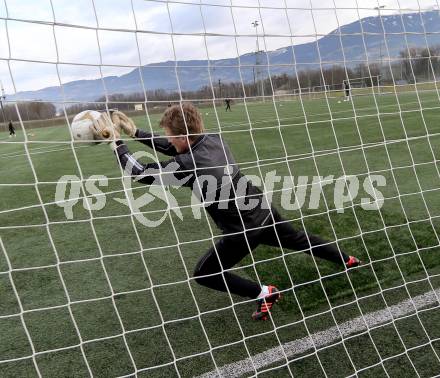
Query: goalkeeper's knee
x: 203, y: 273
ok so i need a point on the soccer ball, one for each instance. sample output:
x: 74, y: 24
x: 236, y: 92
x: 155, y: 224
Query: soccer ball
x: 82, y: 126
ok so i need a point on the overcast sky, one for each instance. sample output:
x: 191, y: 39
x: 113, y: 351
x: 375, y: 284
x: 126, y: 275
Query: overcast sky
x: 90, y: 38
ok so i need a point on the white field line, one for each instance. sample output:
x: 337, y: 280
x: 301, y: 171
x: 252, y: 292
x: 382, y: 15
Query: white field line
x: 326, y: 337
x: 45, y: 151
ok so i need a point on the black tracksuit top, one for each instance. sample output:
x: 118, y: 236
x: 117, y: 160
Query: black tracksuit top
x: 211, y: 172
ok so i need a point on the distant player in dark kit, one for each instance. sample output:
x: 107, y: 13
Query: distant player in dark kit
x: 11, y: 130
x: 228, y: 104
x: 239, y: 209
x: 347, y: 90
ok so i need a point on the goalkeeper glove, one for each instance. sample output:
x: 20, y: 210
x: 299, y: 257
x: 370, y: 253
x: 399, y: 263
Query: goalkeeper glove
x: 124, y: 123
x: 104, y: 130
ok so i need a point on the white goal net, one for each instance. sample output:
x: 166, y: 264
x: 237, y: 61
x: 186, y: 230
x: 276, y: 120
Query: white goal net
x: 97, y: 271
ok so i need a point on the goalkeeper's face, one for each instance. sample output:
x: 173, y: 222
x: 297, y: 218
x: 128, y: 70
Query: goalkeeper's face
x: 180, y: 142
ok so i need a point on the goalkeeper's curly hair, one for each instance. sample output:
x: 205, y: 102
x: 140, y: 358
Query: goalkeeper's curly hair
x: 183, y: 119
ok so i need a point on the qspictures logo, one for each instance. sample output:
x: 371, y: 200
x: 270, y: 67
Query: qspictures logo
x: 302, y: 192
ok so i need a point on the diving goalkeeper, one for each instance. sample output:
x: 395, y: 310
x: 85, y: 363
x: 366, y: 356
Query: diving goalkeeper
x: 194, y: 154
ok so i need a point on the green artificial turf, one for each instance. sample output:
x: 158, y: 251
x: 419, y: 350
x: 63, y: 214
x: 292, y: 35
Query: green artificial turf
x: 101, y: 287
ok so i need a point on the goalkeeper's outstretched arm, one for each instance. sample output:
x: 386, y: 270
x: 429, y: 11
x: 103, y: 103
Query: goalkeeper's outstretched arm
x: 160, y: 173
x: 160, y: 144
x: 126, y: 124
x: 156, y: 173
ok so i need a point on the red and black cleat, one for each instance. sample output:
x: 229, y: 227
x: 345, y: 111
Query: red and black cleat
x: 265, y: 304
x: 353, y: 262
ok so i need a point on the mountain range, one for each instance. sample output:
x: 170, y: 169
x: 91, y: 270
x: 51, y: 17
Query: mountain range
x: 350, y: 44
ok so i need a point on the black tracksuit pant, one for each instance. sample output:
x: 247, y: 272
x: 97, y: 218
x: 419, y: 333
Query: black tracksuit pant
x: 231, y: 249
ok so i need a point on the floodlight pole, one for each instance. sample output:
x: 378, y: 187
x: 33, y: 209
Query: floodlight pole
x: 255, y: 24
x: 378, y: 8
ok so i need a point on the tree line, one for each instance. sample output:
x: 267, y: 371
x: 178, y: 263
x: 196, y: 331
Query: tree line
x: 313, y: 78
x: 420, y: 63
x: 29, y: 110
x: 414, y: 64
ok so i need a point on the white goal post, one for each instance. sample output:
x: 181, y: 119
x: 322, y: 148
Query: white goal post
x: 96, y: 271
